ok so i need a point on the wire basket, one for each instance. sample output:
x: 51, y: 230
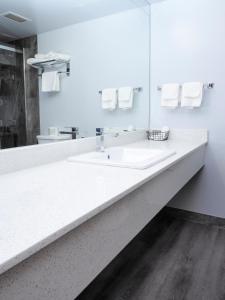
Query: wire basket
x: 158, y: 135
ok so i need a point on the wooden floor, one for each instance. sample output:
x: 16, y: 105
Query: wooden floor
x: 172, y: 259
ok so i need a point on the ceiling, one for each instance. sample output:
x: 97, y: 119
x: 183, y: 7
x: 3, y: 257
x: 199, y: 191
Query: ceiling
x: 47, y: 15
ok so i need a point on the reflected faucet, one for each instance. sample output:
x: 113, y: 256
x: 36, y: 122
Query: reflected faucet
x: 74, y: 132
x: 100, y: 140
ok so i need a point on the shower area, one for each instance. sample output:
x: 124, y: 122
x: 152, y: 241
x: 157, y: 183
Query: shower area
x: 19, y: 101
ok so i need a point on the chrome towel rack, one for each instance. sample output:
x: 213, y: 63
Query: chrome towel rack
x: 52, y: 63
x: 209, y: 86
x: 136, y: 90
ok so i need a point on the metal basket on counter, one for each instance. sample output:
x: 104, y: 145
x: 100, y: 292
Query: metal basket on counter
x: 158, y: 135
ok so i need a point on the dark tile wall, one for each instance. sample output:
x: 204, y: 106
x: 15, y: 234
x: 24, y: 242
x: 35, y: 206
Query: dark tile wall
x: 29, y: 46
x: 12, y: 103
x: 19, y: 95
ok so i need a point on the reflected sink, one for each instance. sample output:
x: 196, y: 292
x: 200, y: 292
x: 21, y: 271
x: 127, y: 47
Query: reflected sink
x: 135, y: 158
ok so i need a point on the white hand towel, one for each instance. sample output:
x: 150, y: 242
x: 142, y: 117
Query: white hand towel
x: 109, y: 99
x: 170, y: 95
x: 50, y: 82
x: 125, y: 97
x: 192, y: 94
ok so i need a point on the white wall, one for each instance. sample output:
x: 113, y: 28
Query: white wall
x: 108, y: 52
x: 188, y: 43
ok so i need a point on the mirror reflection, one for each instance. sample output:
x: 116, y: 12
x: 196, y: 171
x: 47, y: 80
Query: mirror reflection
x: 69, y: 68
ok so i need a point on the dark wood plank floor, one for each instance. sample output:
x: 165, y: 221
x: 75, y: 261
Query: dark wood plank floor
x: 171, y: 259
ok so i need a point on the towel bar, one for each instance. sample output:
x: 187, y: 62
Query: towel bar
x: 137, y: 90
x: 206, y: 86
x: 59, y: 72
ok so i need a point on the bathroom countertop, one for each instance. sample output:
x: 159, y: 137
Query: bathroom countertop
x: 41, y: 204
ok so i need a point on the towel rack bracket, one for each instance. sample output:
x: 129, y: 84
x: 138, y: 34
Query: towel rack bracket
x: 68, y: 69
x: 211, y: 85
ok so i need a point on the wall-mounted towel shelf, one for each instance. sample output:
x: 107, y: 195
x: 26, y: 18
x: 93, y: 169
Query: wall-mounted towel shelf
x: 52, y: 63
x: 136, y: 90
x: 210, y: 85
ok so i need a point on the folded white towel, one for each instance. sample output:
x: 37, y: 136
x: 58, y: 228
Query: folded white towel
x: 49, y: 56
x: 50, y: 82
x: 40, y: 56
x: 109, y: 99
x: 32, y: 61
x: 125, y: 97
x: 58, y: 56
x: 170, y: 95
x: 192, y: 94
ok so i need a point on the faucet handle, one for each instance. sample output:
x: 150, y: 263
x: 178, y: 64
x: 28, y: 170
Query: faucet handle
x: 99, y: 131
x: 74, y: 129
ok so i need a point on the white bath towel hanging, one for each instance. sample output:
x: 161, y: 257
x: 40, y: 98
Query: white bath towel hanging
x: 109, y: 99
x: 170, y: 95
x: 192, y: 94
x: 125, y: 97
x: 50, y: 82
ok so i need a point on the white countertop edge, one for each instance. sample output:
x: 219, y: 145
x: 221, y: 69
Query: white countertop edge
x: 6, y: 265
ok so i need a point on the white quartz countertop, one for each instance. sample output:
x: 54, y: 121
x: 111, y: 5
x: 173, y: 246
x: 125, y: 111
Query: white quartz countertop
x: 41, y: 204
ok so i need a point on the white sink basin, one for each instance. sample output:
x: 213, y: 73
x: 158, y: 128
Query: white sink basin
x: 135, y: 158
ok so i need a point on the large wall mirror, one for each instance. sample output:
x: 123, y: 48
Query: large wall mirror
x: 69, y: 67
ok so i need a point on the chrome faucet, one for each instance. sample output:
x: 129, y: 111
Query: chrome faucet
x: 100, y: 140
x: 74, y: 132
